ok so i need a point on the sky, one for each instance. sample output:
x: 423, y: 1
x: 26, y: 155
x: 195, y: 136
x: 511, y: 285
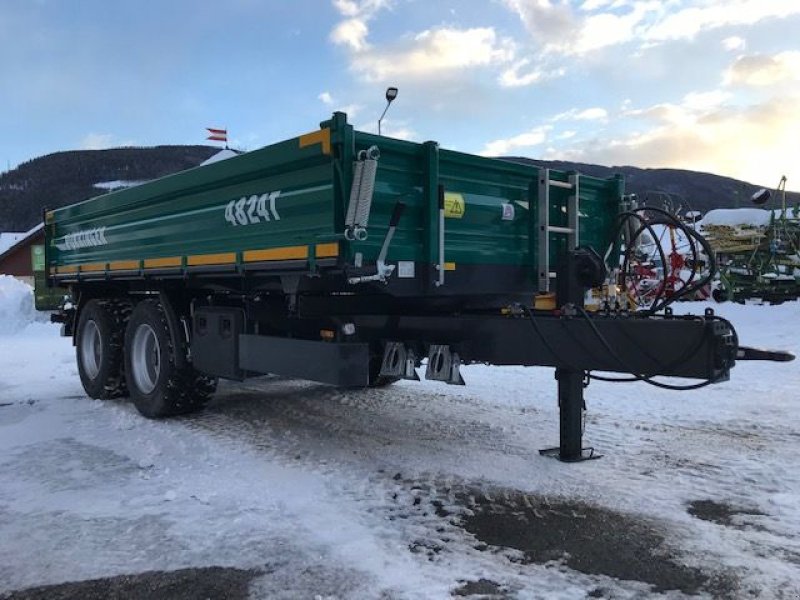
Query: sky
x: 693, y: 84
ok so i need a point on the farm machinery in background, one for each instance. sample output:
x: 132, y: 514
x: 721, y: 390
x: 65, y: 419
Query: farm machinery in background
x: 758, y: 249
x: 751, y: 253
x: 663, y: 258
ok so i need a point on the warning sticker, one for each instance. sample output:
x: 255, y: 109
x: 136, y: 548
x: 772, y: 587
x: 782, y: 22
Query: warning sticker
x: 453, y: 205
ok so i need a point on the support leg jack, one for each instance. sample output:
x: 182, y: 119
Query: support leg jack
x: 571, y: 406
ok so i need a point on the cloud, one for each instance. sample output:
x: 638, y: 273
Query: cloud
x: 734, y: 43
x: 547, y: 22
x: 512, y: 77
x: 396, y: 129
x: 435, y: 51
x: 351, y: 109
x: 690, y: 21
x: 529, y: 139
x: 431, y: 52
x: 610, y: 29
x: 522, y: 73
x: 353, y: 30
x: 755, y: 142
x: 588, y: 114
x: 764, y: 70
x: 558, y: 28
x: 348, y: 8
x: 101, y: 141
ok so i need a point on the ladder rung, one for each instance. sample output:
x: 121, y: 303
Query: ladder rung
x: 555, y: 229
x: 561, y: 184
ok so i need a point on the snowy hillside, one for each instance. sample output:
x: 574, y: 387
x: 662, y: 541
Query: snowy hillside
x: 420, y: 490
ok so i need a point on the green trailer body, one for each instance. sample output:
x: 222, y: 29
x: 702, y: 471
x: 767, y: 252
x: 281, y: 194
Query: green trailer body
x: 284, y: 207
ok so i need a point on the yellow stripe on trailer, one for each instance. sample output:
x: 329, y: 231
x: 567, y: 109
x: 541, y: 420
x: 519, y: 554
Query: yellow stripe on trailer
x: 330, y: 250
x: 93, y: 267
x: 285, y: 253
x: 160, y: 263
x: 123, y: 265
x: 200, y: 260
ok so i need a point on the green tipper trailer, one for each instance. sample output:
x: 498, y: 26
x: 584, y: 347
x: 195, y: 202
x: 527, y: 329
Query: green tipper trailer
x: 348, y: 258
x: 285, y: 208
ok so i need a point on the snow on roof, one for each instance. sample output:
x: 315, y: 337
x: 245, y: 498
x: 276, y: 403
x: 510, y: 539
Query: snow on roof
x: 9, y: 239
x: 116, y: 184
x: 221, y: 155
x: 732, y: 217
x: 791, y: 212
x: 21, y: 237
x: 32, y: 230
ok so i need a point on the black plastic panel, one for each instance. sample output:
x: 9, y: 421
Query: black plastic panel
x: 215, y: 341
x: 342, y: 364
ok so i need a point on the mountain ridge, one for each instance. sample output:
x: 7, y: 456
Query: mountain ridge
x: 689, y: 190
x: 66, y: 177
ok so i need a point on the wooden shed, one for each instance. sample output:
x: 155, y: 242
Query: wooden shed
x: 17, y: 260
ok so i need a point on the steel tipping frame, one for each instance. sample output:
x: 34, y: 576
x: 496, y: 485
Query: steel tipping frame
x: 575, y: 342
x: 696, y: 347
x: 569, y: 339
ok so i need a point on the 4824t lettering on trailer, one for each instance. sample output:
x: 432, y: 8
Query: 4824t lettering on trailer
x: 352, y: 259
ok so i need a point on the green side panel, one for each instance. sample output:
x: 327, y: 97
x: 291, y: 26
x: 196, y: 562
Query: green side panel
x: 217, y: 208
x: 45, y: 298
x: 225, y: 207
x: 486, y: 233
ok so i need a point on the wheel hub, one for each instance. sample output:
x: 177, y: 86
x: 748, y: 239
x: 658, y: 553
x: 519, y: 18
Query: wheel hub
x: 145, y: 358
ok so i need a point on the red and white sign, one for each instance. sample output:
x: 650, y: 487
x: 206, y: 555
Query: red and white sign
x: 217, y: 135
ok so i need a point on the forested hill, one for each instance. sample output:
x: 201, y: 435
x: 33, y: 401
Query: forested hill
x: 62, y: 178
x: 689, y: 189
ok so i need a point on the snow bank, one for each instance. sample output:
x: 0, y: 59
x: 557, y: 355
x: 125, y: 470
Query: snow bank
x: 16, y: 305
x: 731, y: 217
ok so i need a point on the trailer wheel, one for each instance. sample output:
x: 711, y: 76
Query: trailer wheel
x: 99, y: 341
x: 157, y: 386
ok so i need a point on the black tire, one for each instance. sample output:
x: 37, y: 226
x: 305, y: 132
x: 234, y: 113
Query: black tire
x: 720, y: 295
x: 99, y: 341
x: 158, y: 387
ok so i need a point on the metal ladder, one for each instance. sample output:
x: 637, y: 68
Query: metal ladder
x: 545, y: 229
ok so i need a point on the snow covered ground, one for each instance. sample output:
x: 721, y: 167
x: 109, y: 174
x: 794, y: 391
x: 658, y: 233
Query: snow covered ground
x: 419, y: 490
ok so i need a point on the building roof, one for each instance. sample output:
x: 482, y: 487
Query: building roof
x: 20, y: 241
x: 9, y: 239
